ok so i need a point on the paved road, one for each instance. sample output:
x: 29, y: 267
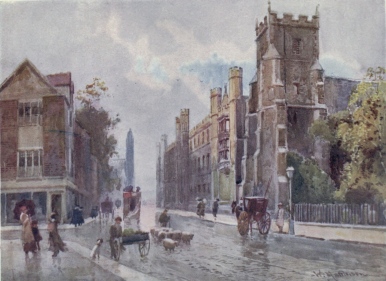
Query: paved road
x: 218, y: 252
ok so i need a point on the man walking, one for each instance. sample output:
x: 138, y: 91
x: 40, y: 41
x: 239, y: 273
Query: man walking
x: 115, y: 232
x: 215, y: 208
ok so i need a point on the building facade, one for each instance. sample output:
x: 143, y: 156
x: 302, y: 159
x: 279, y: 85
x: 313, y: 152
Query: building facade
x: 205, y: 161
x: 240, y: 148
x: 45, y: 154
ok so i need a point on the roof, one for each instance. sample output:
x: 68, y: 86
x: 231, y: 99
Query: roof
x: 24, y: 64
x: 60, y: 79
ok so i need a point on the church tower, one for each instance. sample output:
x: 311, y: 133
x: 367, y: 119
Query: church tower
x: 286, y: 96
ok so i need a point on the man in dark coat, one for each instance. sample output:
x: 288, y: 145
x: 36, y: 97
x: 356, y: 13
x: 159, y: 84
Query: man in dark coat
x: 164, y: 218
x: 215, y: 208
x: 115, y: 232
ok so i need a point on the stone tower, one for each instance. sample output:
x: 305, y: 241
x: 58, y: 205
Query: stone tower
x: 286, y: 96
x: 182, y: 157
x: 160, y: 188
x: 129, y: 165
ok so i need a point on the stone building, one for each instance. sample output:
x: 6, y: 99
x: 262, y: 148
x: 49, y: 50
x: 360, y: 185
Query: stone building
x: 45, y: 154
x: 287, y: 94
x: 242, y: 145
x: 205, y: 161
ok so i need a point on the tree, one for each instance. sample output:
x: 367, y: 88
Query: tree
x: 310, y: 183
x: 99, y: 124
x: 364, y: 138
x: 328, y: 131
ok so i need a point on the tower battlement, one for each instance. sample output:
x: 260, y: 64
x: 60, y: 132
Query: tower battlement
x: 287, y: 19
x: 215, y: 91
x: 235, y: 71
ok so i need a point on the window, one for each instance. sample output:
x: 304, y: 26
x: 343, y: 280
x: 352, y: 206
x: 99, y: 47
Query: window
x: 30, y: 163
x: 296, y: 42
x: 30, y: 113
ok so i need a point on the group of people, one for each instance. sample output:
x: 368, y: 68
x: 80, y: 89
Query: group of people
x: 31, y: 235
x: 77, y: 216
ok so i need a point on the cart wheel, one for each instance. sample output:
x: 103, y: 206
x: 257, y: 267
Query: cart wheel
x: 243, y: 223
x: 117, y: 248
x: 264, y: 223
x: 144, y: 248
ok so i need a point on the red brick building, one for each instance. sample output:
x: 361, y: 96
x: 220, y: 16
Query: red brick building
x: 45, y: 154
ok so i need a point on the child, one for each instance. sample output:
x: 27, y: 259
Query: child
x: 96, y: 250
x: 36, y: 233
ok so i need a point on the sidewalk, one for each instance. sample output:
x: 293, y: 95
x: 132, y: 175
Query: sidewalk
x: 74, y: 264
x: 221, y: 218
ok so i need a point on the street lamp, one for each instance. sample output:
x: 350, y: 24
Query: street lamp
x: 290, y: 174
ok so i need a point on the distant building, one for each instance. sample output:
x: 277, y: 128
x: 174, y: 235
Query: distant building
x: 205, y: 161
x: 45, y: 154
x: 243, y: 142
x: 129, y: 168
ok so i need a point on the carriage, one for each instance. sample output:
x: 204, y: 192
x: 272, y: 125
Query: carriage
x: 107, y: 208
x: 131, y: 204
x: 255, y: 212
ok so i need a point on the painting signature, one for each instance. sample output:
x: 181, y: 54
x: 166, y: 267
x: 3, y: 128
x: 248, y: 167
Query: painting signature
x: 335, y: 275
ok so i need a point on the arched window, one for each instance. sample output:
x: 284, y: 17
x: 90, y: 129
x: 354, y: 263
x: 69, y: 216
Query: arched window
x: 199, y: 188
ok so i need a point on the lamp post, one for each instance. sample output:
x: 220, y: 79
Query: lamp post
x: 290, y: 174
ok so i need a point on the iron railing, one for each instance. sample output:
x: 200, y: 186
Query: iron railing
x: 364, y: 214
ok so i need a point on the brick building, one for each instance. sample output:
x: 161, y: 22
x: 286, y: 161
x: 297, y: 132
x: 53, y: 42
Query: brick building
x: 45, y: 154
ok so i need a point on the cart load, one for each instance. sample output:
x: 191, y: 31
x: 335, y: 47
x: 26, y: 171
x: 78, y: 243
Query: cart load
x: 131, y: 236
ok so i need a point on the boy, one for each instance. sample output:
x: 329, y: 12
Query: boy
x: 115, y: 232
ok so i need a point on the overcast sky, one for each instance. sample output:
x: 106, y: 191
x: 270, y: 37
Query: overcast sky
x: 159, y: 56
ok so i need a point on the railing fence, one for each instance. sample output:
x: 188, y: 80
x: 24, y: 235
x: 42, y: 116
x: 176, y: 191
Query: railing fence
x: 365, y: 214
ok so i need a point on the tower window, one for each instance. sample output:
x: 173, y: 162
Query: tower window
x: 296, y: 46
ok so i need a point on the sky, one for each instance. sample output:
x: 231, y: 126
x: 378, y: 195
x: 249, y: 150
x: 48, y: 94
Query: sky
x: 158, y: 57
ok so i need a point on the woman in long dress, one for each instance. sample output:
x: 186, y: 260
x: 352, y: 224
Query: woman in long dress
x: 27, y: 236
x: 56, y: 242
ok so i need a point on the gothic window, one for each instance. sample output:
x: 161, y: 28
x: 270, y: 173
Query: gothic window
x: 296, y: 42
x: 296, y: 87
x: 208, y: 159
x: 199, y: 188
x: 203, y: 161
x: 207, y: 135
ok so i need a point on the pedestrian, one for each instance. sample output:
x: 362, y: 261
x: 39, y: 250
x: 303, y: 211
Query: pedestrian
x: 36, y: 233
x: 201, y: 208
x: 164, y: 218
x: 115, y: 232
x: 54, y: 239
x: 75, y: 216
x: 27, y: 236
x: 215, y: 208
x: 81, y: 219
x: 280, y: 217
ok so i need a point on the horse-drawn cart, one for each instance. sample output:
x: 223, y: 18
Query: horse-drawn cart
x: 142, y: 239
x: 255, y: 211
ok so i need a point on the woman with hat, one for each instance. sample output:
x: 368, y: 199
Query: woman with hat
x: 27, y: 236
x: 56, y: 242
x: 280, y: 217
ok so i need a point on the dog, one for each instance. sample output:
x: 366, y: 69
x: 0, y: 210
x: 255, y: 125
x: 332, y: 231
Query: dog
x: 95, y: 251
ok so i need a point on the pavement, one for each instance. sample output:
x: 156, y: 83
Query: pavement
x: 229, y: 219
x: 74, y: 264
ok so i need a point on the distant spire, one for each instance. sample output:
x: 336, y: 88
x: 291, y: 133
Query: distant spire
x: 269, y: 6
x: 225, y: 89
x: 317, y: 10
